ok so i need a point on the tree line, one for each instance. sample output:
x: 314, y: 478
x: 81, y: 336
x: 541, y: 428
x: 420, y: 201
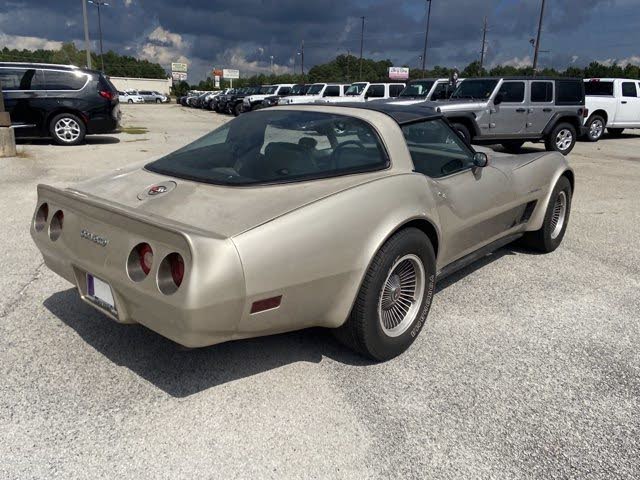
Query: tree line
x: 115, y: 65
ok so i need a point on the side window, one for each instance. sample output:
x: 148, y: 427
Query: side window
x: 542, y: 92
x: 21, y: 79
x: 394, y: 90
x: 629, y: 89
x: 58, y: 80
x: 332, y: 91
x: 441, y: 92
x: 436, y: 150
x: 512, y: 92
x: 375, y: 91
x: 284, y: 91
x: 569, y: 92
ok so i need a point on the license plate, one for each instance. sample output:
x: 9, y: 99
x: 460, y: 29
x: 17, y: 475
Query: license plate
x: 100, y: 293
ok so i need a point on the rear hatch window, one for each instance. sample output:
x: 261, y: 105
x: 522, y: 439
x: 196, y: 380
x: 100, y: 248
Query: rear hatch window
x: 598, y: 88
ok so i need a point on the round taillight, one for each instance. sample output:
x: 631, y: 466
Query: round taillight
x: 42, y: 215
x: 55, y: 227
x: 140, y: 262
x: 171, y: 273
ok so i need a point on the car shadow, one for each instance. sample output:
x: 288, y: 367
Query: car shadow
x: 180, y: 371
x: 89, y: 140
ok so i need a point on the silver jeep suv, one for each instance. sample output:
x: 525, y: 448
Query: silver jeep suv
x: 513, y: 110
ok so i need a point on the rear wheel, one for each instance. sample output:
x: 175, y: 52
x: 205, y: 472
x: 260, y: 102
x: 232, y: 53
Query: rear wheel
x: 129, y: 101
x: 463, y: 131
x: 595, y: 128
x: 237, y: 110
x: 67, y: 129
x: 394, y: 299
x: 615, y: 132
x: 556, y: 219
x: 512, y: 146
x: 561, y: 139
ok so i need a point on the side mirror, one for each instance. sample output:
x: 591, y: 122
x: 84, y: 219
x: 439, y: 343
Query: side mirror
x: 480, y: 160
x: 498, y: 100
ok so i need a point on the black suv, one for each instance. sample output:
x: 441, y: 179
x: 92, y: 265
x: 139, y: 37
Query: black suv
x: 58, y: 101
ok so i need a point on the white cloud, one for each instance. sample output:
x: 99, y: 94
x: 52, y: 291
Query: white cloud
x: 622, y: 62
x: 518, y: 62
x: 29, y: 43
x: 163, y: 47
x: 235, y: 58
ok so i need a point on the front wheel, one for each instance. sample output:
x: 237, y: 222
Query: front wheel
x: 556, y: 219
x: 129, y: 101
x: 67, y: 129
x: 561, y: 139
x: 158, y: 100
x: 238, y: 109
x: 463, y: 131
x: 615, y: 132
x: 595, y: 128
x: 394, y: 299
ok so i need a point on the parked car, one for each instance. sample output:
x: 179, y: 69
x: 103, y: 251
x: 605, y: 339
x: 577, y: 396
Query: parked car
x: 127, y: 97
x: 426, y: 89
x: 316, y: 91
x: 512, y: 110
x: 613, y: 103
x: 403, y: 202
x: 365, y: 91
x: 253, y: 101
x: 150, y: 96
x: 215, y: 101
x: 235, y: 102
x: 63, y: 102
x: 296, y: 91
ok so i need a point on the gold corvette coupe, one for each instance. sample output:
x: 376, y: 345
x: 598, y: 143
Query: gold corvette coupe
x: 292, y: 217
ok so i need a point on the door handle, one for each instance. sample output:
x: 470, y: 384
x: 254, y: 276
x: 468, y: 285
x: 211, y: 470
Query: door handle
x: 546, y: 110
x: 521, y: 110
x: 624, y: 101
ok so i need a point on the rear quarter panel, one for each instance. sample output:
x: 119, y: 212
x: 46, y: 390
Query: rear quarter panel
x: 317, y: 255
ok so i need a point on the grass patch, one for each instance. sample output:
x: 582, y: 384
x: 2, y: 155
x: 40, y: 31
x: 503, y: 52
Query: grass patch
x: 134, y: 130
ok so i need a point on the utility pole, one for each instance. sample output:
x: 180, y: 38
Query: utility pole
x: 361, y: 47
x: 302, y: 59
x: 535, y: 55
x: 100, y: 3
x: 87, y: 45
x: 271, y: 57
x: 426, y: 38
x: 484, y: 43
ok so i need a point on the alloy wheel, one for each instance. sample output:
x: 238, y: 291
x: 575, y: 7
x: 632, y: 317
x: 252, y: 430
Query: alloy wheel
x: 67, y: 130
x: 559, y: 214
x: 564, y: 139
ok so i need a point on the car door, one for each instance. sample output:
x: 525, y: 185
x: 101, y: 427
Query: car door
x: 25, y: 99
x: 510, y: 116
x: 541, y: 103
x: 628, y: 104
x: 476, y: 206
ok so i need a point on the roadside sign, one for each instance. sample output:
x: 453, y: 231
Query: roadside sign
x: 216, y: 80
x: 230, y: 74
x: 217, y: 72
x: 398, y: 73
x: 178, y: 77
x: 179, y: 67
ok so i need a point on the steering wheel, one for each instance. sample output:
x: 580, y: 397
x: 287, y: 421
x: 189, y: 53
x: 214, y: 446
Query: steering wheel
x: 334, y: 155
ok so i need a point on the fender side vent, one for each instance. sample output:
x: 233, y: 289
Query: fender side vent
x: 528, y: 211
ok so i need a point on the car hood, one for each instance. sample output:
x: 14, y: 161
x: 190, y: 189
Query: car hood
x: 222, y: 210
x: 456, y: 105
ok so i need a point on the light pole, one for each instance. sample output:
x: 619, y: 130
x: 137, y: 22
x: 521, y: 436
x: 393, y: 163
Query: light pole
x: 361, y: 47
x: 271, y: 58
x: 87, y: 45
x: 426, y: 38
x: 100, y: 3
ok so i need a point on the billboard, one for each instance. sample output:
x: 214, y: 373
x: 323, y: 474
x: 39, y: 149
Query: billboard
x: 217, y: 72
x: 398, y: 73
x: 179, y: 67
x: 229, y: 73
x: 178, y: 77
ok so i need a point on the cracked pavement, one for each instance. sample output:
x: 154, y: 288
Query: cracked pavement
x: 528, y: 366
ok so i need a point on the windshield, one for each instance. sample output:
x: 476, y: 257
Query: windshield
x: 277, y: 147
x: 298, y: 90
x: 475, y: 89
x: 420, y: 88
x: 315, y: 89
x: 355, y: 89
x: 268, y: 90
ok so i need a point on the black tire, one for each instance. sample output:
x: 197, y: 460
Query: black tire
x: 546, y: 240
x: 129, y: 101
x: 463, y: 131
x: 615, y: 132
x: 364, y: 331
x: 238, y: 109
x: 553, y: 141
x: 72, y: 134
x: 158, y: 100
x: 513, y: 146
x: 595, y: 128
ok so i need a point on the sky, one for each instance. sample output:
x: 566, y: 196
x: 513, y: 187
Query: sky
x: 244, y: 34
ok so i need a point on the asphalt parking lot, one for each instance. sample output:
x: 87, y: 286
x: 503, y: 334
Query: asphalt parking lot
x: 528, y: 367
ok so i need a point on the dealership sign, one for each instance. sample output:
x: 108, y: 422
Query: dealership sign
x: 179, y: 76
x: 179, y: 67
x: 230, y: 74
x: 398, y: 73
